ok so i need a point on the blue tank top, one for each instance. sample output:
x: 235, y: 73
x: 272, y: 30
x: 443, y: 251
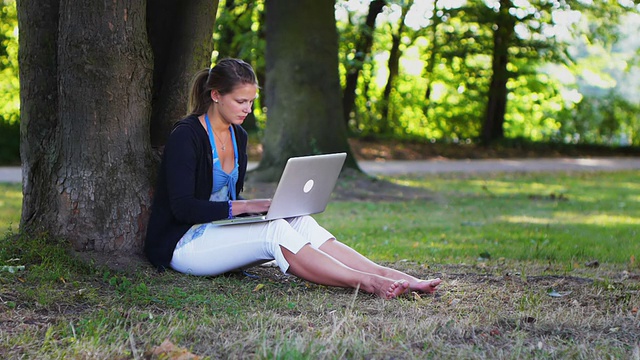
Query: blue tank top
x: 224, y: 184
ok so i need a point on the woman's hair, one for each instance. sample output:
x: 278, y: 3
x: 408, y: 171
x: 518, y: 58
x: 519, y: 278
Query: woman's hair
x: 223, y: 77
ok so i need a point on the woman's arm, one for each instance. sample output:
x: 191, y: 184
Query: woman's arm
x: 189, y: 179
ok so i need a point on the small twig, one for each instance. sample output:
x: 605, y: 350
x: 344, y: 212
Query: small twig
x: 132, y: 342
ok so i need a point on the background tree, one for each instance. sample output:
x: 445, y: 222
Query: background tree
x: 506, y: 16
x: 358, y: 55
x: 304, y: 102
x: 503, y: 34
x: 88, y: 88
x: 387, y: 120
x: 433, y: 53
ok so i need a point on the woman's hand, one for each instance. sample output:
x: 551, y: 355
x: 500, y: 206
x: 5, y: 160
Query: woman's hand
x: 257, y: 206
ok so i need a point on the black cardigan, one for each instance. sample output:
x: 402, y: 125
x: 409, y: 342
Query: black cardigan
x: 183, y: 188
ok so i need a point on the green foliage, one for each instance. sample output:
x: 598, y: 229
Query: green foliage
x: 442, y: 91
x: 239, y: 33
x: 9, y: 84
x: 445, y: 69
x: 610, y: 119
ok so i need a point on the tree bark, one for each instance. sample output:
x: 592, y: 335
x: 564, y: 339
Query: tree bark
x: 104, y: 107
x: 362, y: 50
x: 304, y: 103
x: 180, y: 50
x: 493, y: 127
x: 86, y: 72
x: 39, y: 121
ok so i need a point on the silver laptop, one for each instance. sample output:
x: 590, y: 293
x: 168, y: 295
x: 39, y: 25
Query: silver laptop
x: 304, y: 188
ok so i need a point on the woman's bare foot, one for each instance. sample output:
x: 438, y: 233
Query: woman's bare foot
x: 425, y: 286
x: 397, y: 288
x: 386, y: 288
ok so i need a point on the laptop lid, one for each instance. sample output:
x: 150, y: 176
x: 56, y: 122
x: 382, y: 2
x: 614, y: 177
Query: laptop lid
x: 304, y: 188
x: 306, y: 185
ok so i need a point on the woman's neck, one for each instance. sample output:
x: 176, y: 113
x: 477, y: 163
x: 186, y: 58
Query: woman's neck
x: 217, y: 124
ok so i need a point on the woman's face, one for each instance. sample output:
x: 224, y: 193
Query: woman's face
x: 234, y: 107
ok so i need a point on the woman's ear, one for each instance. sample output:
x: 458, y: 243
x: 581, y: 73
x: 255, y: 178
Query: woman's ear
x: 215, y: 96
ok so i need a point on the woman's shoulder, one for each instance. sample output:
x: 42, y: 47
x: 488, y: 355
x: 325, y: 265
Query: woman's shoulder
x: 189, y: 124
x: 190, y: 120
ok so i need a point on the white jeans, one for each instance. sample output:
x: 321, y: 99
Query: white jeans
x: 207, y: 249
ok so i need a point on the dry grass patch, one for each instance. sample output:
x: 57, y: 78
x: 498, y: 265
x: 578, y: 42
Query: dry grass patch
x: 487, y: 310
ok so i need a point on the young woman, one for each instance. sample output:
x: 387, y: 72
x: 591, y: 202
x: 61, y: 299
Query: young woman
x: 200, y: 180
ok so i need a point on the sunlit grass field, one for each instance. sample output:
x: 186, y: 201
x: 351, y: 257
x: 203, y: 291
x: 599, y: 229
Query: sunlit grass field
x: 533, y: 266
x: 568, y: 218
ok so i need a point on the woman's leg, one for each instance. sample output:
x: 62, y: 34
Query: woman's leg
x: 208, y: 249
x: 213, y: 250
x: 321, y: 239
x: 316, y: 266
x: 357, y: 261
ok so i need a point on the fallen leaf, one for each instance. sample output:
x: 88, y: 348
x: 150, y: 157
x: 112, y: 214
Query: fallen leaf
x: 258, y: 287
x: 167, y: 350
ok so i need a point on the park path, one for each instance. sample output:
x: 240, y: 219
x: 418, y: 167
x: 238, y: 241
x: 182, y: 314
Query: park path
x: 398, y: 167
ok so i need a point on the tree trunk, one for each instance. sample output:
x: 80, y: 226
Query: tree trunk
x: 362, y: 50
x: 38, y: 101
x: 304, y: 107
x: 493, y: 127
x: 104, y: 108
x: 394, y: 69
x: 433, y: 57
x: 179, y: 51
x: 86, y: 73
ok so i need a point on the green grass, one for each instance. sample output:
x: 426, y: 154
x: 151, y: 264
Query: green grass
x: 540, y: 217
x: 500, y: 242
